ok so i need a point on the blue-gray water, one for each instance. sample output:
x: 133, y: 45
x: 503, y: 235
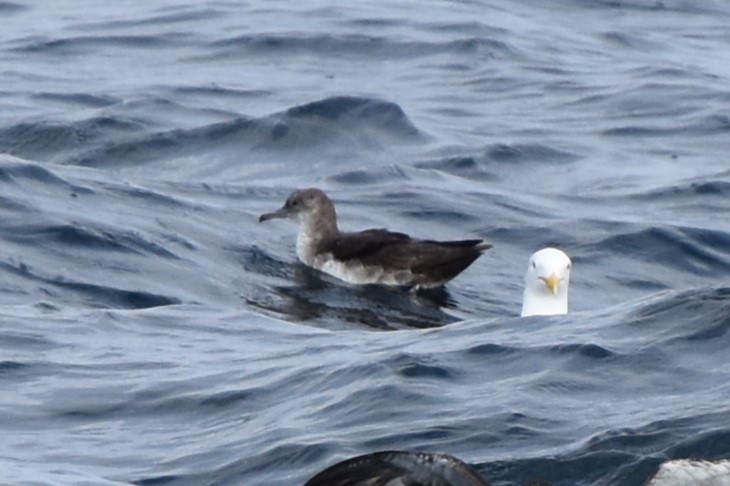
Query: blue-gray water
x: 153, y: 333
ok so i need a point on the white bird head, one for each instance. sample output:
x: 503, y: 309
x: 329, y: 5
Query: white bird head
x: 546, y: 283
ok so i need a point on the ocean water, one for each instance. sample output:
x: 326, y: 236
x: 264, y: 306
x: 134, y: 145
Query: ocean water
x: 153, y: 333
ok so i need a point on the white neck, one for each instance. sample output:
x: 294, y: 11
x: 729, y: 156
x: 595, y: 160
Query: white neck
x: 313, y: 230
x: 306, y: 244
x: 542, y: 302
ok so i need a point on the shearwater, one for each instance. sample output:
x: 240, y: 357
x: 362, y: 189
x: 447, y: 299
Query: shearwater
x: 374, y: 256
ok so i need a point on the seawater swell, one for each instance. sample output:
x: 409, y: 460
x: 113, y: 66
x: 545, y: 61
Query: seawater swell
x: 78, y: 240
x: 687, y: 249
x: 146, y: 315
x: 444, y: 389
x: 347, y: 46
x: 332, y: 123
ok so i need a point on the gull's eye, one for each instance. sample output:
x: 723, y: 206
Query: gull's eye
x: 567, y: 267
x: 295, y: 203
x: 533, y: 264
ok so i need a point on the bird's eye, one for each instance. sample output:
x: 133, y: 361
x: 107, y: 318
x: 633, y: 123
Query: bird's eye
x: 567, y: 267
x: 533, y: 264
x: 295, y: 203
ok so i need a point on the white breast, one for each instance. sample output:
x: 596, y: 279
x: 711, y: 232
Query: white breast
x: 305, y: 248
x: 539, y: 301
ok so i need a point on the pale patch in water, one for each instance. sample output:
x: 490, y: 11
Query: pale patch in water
x: 683, y: 472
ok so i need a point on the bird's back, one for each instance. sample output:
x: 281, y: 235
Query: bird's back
x: 430, y: 263
x: 399, y: 468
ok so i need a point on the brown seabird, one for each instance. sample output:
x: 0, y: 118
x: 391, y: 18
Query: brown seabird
x: 374, y: 256
x: 399, y: 468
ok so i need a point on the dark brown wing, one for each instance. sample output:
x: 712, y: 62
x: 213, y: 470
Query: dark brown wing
x: 366, y: 246
x: 408, y: 468
x: 447, y: 257
x: 431, y: 262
